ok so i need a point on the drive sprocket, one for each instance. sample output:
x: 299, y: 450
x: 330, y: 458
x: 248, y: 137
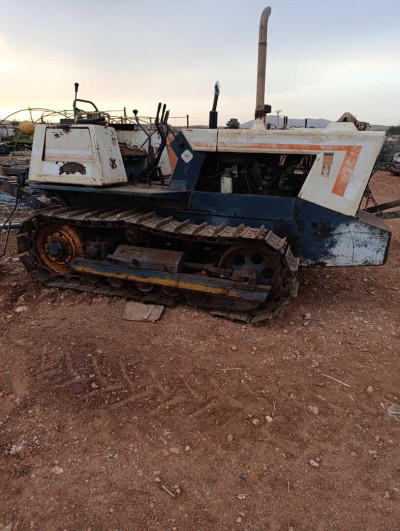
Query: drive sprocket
x: 56, y: 245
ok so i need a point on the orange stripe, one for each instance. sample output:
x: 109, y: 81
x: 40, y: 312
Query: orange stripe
x: 173, y: 159
x: 344, y: 175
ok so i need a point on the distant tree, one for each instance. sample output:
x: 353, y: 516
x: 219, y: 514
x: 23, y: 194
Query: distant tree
x: 393, y: 130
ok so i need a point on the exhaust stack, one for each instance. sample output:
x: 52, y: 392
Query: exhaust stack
x: 213, y: 119
x: 261, y: 108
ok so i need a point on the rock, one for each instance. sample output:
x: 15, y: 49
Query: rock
x: 175, y: 451
x: 313, y: 409
x: 256, y: 422
x: 241, y: 496
x: 387, y: 495
x: 369, y: 389
x: 157, y: 472
x: 187, y: 448
x: 94, y: 386
x: 20, y: 309
x: 16, y: 449
x: 157, y: 480
x: 230, y: 437
x: 314, y: 363
x: 307, y: 316
x: 313, y: 463
x: 57, y: 470
x: 268, y: 419
x: 233, y: 347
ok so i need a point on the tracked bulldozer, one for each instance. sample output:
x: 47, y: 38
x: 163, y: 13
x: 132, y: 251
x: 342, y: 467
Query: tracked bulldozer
x: 217, y: 218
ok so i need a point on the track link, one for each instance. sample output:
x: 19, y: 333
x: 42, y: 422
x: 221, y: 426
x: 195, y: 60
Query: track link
x: 167, y: 228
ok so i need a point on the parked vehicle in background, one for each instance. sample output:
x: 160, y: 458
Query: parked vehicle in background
x: 4, y: 149
x: 233, y: 123
x: 395, y: 167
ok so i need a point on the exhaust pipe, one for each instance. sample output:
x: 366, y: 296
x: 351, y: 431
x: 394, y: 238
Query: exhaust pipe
x: 213, y: 118
x: 261, y: 109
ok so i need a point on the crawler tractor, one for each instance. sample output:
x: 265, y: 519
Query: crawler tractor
x: 217, y: 218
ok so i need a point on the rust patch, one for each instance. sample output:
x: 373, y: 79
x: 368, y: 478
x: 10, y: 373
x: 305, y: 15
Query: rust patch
x: 72, y: 167
x: 113, y: 164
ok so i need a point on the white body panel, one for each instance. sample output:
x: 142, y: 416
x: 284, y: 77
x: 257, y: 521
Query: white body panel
x: 205, y: 139
x: 344, y: 157
x: 84, y: 154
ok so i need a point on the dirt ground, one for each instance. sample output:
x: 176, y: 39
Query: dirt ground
x: 99, y: 416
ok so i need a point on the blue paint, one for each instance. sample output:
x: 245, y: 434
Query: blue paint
x: 243, y: 206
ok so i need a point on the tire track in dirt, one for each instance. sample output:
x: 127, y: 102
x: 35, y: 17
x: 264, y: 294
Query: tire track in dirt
x: 98, y: 381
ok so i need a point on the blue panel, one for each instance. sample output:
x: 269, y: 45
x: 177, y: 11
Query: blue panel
x: 318, y: 233
x: 245, y: 206
x: 186, y: 173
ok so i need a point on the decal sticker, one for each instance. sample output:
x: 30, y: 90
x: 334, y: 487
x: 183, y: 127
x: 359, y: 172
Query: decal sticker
x: 327, y: 162
x: 186, y: 156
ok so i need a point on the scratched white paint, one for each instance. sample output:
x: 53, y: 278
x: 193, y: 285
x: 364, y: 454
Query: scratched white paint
x: 318, y: 191
x: 91, y: 145
x: 201, y: 139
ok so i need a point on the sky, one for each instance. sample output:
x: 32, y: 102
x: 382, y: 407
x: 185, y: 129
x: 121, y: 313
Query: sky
x: 323, y: 59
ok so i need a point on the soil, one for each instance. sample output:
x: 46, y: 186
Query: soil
x: 196, y: 422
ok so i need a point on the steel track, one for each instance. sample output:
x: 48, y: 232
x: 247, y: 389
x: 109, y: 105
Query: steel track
x: 165, y: 228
